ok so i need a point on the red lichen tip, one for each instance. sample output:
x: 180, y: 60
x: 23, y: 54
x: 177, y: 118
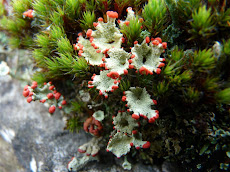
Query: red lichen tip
x: 29, y: 99
x: 115, y: 87
x: 123, y: 39
x: 94, y: 154
x: 90, y: 82
x: 81, y: 151
x: 137, y: 147
x: 157, y: 116
x: 91, y: 39
x: 43, y: 100
x: 52, y: 109
x: 146, y: 145
x: 26, y: 87
x: 89, y: 32
x: 100, y: 19
x: 155, y: 102
x: 130, y: 61
x: 34, y: 83
x: 145, y: 71
x: 132, y: 56
x: 158, y: 71
x: 95, y: 24
x: 126, y: 23
x: 131, y: 66
x: 147, y: 39
x: 131, y: 144
x: 31, y: 93
x: 113, y: 75
x: 112, y: 14
x: 50, y: 95
x: 164, y: 45
x: 161, y: 65
x: 51, y: 87
x: 158, y: 39
x: 26, y: 93
x: 152, y: 120
x: 64, y: 102
x: 28, y: 13
x: 134, y: 131
x: 123, y: 98
x: 57, y: 95
x: 135, y: 42
x: 135, y: 116
x: 125, y: 71
x: 98, y: 51
x: 155, y: 42
x: 141, y: 20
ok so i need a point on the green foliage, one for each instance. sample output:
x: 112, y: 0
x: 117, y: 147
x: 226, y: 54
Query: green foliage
x: 162, y: 88
x: 20, y: 6
x: 154, y: 14
x: 224, y: 96
x: 73, y: 124
x: 40, y: 77
x: 202, y: 23
x: 87, y: 21
x: 203, y: 60
x: 72, y: 9
x: 227, y: 47
x: 132, y: 31
x: 191, y: 95
x: 64, y: 46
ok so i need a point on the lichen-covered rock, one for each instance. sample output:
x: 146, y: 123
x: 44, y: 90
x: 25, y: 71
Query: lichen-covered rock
x: 92, y: 55
x: 140, y: 102
x: 118, y: 60
x: 103, y: 83
x: 46, y: 94
x: 91, y: 148
x: 106, y: 35
x: 124, y: 123
x: 146, y: 56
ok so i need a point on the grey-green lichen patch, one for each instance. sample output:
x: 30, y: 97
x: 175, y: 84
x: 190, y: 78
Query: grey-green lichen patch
x: 107, y: 35
x: 118, y: 60
x: 103, y: 82
x: 147, y: 56
x: 99, y: 115
x: 120, y: 144
x: 124, y: 122
x: 140, y: 102
x: 90, y: 53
